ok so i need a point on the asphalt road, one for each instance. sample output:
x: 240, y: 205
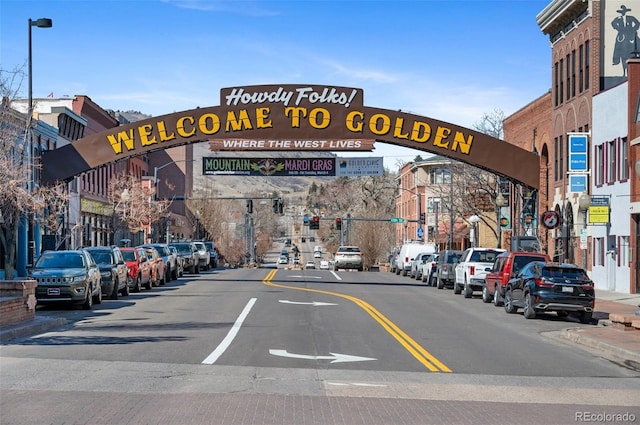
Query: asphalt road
x: 304, y: 333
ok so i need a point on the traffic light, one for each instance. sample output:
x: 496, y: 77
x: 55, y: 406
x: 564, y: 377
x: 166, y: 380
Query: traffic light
x: 339, y: 223
x: 280, y: 206
x: 274, y: 206
x: 249, y: 206
x: 423, y: 217
x: 315, y: 223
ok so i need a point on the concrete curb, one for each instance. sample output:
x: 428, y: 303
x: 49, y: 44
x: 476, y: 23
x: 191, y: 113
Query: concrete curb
x: 38, y: 325
x: 577, y: 336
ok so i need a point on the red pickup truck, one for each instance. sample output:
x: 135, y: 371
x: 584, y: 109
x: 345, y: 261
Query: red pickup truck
x: 506, y: 266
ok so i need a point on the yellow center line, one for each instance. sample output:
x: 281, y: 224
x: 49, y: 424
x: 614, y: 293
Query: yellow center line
x: 422, y: 355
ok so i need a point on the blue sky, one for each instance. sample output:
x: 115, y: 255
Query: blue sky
x: 448, y: 60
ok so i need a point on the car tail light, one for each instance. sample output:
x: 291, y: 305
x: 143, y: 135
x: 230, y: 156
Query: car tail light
x: 472, y: 270
x: 543, y: 282
x: 587, y: 286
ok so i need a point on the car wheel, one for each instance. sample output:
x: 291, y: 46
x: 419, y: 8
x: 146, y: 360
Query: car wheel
x: 585, y: 317
x: 149, y: 284
x: 125, y: 290
x: 497, y: 299
x: 98, y: 298
x: 486, y: 296
x: 174, y: 275
x: 167, y: 276
x: 440, y: 283
x: 360, y: 269
x: 88, y: 301
x: 562, y: 313
x: 456, y: 289
x: 468, y: 292
x: 508, y: 303
x: 529, y: 311
x: 198, y: 269
x: 163, y: 281
x: 114, y: 292
x: 136, y: 284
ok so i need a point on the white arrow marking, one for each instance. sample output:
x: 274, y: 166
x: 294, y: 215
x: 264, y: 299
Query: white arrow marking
x: 314, y: 303
x: 335, y: 357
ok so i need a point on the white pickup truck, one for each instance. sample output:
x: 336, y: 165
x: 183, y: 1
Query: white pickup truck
x: 473, y: 266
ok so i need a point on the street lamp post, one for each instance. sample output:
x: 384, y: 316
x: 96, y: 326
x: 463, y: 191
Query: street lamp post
x: 584, y: 201
x: 474, y: 219
x: 197, y: 224
x: 40, y: 23
x: 500, y: 202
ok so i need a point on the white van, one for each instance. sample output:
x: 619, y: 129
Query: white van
x: 317, y: 248
x: 408, y: 253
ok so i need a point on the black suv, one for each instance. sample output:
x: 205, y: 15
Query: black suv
x: 113, y: 270
x: 558, y: 287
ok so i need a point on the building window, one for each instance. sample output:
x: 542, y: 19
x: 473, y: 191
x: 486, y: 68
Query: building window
x: 561, y: 162
x: 624, y: 258
x: 561, y: 79
x: 433, y: 205
x: 568, y: 77
x: 580, y: 68
x: 573, y: 73
x: 587, y: 58
x: 598, y: 251
x: 611, y: 162
x: 599, y: 165
x: 624, y: 159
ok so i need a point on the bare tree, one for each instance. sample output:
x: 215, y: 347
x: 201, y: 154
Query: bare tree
x: 19, y: 197
x: 135, y: 204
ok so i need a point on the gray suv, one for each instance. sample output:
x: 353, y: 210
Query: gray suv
x: 445, y: 273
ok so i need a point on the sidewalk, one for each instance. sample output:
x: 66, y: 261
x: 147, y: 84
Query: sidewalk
x: 603, y: 336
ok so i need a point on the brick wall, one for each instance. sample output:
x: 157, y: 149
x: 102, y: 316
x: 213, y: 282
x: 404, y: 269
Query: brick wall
x: 17, y: 301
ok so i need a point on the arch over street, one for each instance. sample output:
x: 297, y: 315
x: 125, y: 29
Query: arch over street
x: 292, y: 118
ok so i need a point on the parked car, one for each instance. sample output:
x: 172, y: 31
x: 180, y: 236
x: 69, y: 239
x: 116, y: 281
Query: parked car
x: 445, y: 272
x: 429, y: 269
x: 324, y: 265
x: 559, y: 287
x: 473, y: 266
x: 213, y: 255
x: 158, y: 267
x: 283, y: 260
x: 179, y: 260
x: 189, y: 254
x: 205, y: 259
x: 113, y: 270
x: 417, y: 263
x: 393, y: 259
x: 310, y: 265
x: 139, y: 268
x: 408, y: 253
x: 348, y: 257
x: 504, y: 268
x: 170, y: 269
x: 68, y: 276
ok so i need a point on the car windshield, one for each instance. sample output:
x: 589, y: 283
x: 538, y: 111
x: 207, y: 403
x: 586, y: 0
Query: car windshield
x: 102, y: 257
x: 58, y: 260
x: 484, y: 256
x: 129, y: 255
x: 453, y: 259
x: 200, y: 246
x: 183, y: 248
x: 564, y: 273
x: 349, y: 249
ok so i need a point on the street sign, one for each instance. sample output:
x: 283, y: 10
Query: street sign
x: 599, y: 200
x: 420, y: 232
x: 578, y: 149
x: 578, y: 183
x: 396, y: 220
x: 598, y: 214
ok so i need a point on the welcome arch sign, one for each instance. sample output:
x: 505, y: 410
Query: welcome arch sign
x: 292, y: 117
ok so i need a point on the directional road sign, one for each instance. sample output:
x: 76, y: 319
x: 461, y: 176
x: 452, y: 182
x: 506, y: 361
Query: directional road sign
x: 396, y: 220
